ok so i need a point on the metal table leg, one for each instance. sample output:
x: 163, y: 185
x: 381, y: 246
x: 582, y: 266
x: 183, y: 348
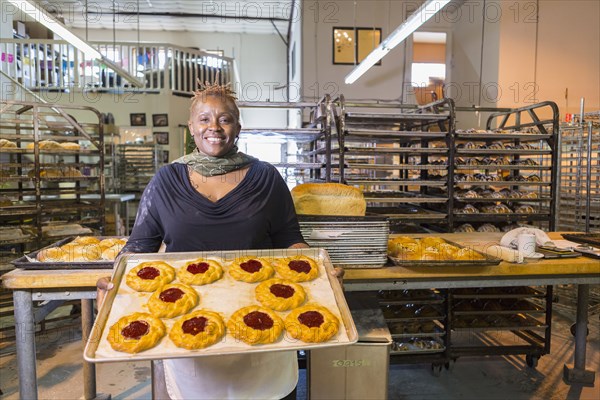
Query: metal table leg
x: 577, y: 373
x: 89, y: 369
x: 25, y: 343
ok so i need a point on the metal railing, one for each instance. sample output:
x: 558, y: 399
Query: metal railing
x: 55, y: 64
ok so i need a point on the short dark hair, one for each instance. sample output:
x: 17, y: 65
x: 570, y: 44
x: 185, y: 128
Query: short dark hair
x: 216, y: 90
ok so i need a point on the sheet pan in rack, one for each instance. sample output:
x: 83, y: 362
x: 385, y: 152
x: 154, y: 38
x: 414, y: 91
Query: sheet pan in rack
x: 224, y: 296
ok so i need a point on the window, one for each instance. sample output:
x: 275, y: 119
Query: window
x: 352, y: 45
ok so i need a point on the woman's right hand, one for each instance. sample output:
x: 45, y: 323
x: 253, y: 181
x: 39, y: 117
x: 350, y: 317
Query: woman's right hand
x: 102, y: 287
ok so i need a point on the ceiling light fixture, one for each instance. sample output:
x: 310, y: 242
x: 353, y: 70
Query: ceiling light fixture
x: 36, y: 12
x: 412, y: 23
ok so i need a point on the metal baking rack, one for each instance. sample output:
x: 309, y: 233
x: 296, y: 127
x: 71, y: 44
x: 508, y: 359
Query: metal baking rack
x: 37, y: 201
x: 312, y: 161
x: 395, y: 153
x: 579, y: 186
x: 516, y: 310
x: 513, y: 128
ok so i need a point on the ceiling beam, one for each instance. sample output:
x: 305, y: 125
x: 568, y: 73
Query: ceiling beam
x: 190, y: 15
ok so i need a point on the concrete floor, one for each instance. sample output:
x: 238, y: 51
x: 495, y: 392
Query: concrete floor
x: 59, y: 373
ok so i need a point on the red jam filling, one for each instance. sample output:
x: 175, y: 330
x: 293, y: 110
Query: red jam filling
x: 312, y: 319
x: 258, y: 320
x: 171, y: 295
x: 135, y: 330
x: 198, y: 268
x: 284, y: 291
x: 194, y: 326
x: 299, y: 266
x: 251, y: 266
x: 148, y: 273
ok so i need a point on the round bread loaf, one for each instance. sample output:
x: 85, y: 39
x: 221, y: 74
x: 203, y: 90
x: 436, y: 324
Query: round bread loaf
x: 328, y: 199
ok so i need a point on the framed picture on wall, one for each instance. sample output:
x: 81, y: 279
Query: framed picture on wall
x: 137, y: 119
x: 161, y: 137
x: 160, y: 119
x: 351, y: 45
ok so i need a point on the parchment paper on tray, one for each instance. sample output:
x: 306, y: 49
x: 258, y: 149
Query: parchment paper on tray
x: 224, y: 296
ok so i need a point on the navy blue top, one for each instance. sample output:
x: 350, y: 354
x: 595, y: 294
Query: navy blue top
x: 257, y: 214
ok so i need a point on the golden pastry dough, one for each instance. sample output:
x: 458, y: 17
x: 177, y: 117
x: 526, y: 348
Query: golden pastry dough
x: 136, y: 332
x: 279, y: 294
x: 110, y: 242
x: 149, y: 276
x: 251, y: 269
x: 86, y: 240
x: 197, y: 330
x: 53, y: 254
x: 297, y: 268
x: 111, y: 253
x: 200, y: 272
x: 311, y: 323
x: 172, y: 300
x: 70, y: 146
x: 255, y: 325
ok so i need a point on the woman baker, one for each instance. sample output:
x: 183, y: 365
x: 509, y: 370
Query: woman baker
x: 218, y: 198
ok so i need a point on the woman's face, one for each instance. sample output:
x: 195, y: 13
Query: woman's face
x: 214, y: 125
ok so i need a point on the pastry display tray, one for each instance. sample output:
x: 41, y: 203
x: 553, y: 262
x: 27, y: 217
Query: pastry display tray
x: 30, y: 261
x: 224, y: 296
x: 487, y: 260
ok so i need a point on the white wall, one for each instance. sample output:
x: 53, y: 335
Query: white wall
x: 568, y: 54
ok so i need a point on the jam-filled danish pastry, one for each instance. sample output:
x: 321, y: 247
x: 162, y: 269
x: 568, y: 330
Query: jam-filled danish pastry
x: 279, y: 294
x: 200, y: 272
x: 255, y: 325
x: 149, y: 276
x: 251, y: 269
x: 197, y: 330
x: 311, y: 323
x: 297, y: 268
x: 172, y: 300
x: 136, y: 332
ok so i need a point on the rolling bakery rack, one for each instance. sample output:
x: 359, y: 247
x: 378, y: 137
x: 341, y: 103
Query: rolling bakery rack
x: 398, y: 155
x: 52, y: 174
x: 507, y: 174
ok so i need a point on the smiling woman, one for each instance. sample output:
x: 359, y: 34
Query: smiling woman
x: 218, y: 198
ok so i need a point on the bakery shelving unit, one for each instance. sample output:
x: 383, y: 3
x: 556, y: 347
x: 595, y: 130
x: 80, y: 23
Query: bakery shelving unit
x: 306, y: 149
x: 399, y: 156
x: 52, y: 173
x: 507, y: 174
x: 136, y: 164
x: 500, y: 321
x: 417, y: 320
x: 579, y: 188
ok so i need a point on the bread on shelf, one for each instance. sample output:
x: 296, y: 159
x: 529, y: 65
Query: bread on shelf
x: 328, y: 199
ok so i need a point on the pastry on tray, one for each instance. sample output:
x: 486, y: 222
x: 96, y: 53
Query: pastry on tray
x: 136, y: 332
x: 197, y: 330
x: 280, y: 294
x: 149, y: 276
x: 200, y: 272
x: 297, y: 268
x: 172, y: 300
x: 251, y: 269
x: 312, y: 323
x: 255, y: 325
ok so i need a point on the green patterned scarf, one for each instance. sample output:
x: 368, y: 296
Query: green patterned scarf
x: 212, y: 166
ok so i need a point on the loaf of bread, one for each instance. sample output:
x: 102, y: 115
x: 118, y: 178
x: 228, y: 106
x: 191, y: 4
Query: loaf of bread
x: 328, y: 199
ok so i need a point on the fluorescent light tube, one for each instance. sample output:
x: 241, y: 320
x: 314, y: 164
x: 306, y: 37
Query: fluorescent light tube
x: 404, y: 30
x: 40, y: 15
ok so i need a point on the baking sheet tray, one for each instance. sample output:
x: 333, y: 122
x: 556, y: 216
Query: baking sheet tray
x: 585, y: 238
x: 410, y: 348
x: 26, y: 263
x: 488, y: 260
x: 123, y: 300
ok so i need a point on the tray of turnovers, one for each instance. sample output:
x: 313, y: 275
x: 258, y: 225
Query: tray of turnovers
x: 174, y: 305
x: 80, y: 252
x: 434, y: 251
